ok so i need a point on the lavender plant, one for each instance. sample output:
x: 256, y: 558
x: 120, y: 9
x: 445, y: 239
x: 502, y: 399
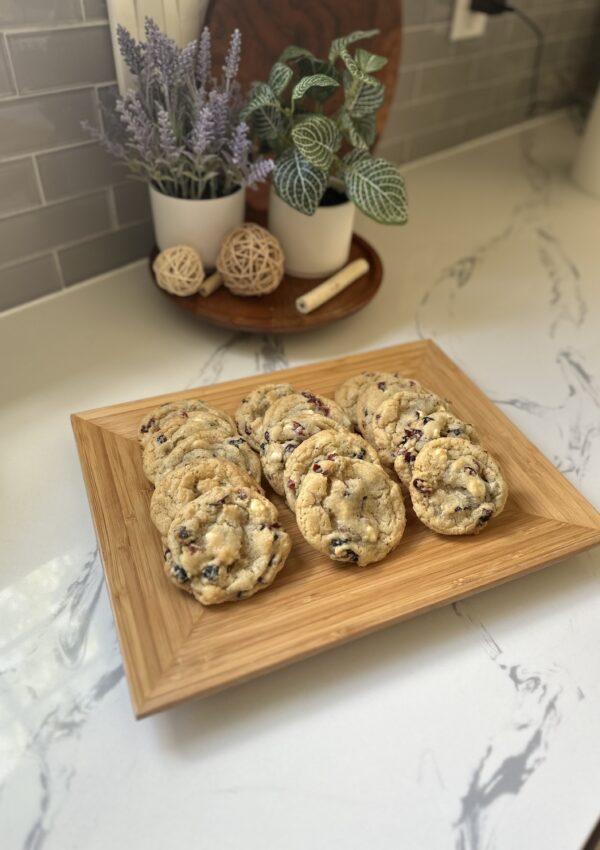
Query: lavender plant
x: 181, y: 128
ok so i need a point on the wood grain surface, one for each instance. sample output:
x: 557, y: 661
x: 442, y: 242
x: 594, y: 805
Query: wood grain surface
x: 276, y: 312
x: 174, y: 649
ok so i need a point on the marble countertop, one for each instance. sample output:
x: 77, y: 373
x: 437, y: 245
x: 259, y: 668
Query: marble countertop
x: 474, y: 727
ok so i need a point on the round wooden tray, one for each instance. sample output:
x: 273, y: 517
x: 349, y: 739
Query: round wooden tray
x: 276, y: 313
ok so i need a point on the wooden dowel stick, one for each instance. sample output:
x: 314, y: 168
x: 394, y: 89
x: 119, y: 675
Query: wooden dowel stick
x: 210, y: 284
x: 332, y: 286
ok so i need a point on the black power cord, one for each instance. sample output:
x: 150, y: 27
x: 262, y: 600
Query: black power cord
x: 497, y: 7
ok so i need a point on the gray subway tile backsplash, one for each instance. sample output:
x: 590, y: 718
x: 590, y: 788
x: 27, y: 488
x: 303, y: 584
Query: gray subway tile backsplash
x: 18, y: 186
x: 31, y: 124
x: 6, y: 84
x: 25, y: 281
x: 15, y: 13
x: 106, y: 252
x: 78, y: 170
x: 58, y: 58
x: 46, y: 227
x: 90, y: 217
x: 132, y: 202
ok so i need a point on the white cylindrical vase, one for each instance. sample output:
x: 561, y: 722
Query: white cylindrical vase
x: 586, y: 168
x: 201, y: 224
x: 313, y: 245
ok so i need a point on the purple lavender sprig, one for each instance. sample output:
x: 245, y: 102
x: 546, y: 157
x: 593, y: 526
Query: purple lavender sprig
x: 181, y: 129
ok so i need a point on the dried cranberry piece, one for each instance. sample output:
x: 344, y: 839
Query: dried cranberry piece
x: 298, y: 428
x: 290, y: 485
x: 267, y: 437
x: 289, y: 448
x: 247, y: 430
x: 413, y: 432
x: 422, y: 486
x: 409, y: 457
x: 331, y: 456
x: 381, y: 385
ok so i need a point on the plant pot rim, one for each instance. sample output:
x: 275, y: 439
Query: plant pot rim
x: 160, y: 194
x: 326, y: 210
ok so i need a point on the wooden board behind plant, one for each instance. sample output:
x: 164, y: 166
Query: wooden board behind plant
x: 268, y: 26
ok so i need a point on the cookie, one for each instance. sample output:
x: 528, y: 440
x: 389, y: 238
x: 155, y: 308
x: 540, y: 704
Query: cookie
x: 154, y: 421
x: 351, y: 511
x: 204, y: 446
x: 185, y: 483
x: 325, y: 445
x: 304, y: 402
x: 457, y: 487
x: 162, y: 442
x: 382, y: 417
x: 251, y: 410
x: 418, y: 432
x: 347, y: 395
x: 225, y: 545
x: 283, y: 437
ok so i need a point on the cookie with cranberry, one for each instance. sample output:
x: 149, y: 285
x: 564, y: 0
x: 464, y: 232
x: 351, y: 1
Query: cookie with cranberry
x: 351, y: 511
x: 384, y: 416
x: 457, y: 487
x: 282, y: 438
x: 325, y: 445
x: 207, y: 445
x: 250, y: 413
x: 225, y: 545
x: 347, y: 395
x: 418, y: 432
x: 188, y: 481
x: 186, y: 408
x: 162, y: 442
x: 304, y: 402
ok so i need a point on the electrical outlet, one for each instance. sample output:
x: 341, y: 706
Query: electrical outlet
x: 465, y: 23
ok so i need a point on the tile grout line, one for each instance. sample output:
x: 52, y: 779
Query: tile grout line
x: 37, y: 93
x: 11, y: 68
x: 38, y: 177
x: 66, y: 146
x: 49, y: 27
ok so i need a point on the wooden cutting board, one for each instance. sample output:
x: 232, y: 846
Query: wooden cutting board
x: 174, y: 649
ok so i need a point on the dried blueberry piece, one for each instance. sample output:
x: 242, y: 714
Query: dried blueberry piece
x: 348, y: 555
x: 337, y: 542
x: 456, y: 432
x: 161, y: 439
x: 298, y: 428
x: 240, y: 594
x: 260, y: 580
x: 274, y: 525
x: 273, y: 560
x: 185, y: 414
x: 486, y: 515
x: 427, y: 419
x: 409, y: 457
x: 422, y: 486
x: 359, y: 455
x: 289, y: 448
x: 402, y: 441
x: 247, y: 430
x: 381, y: 385
x: 179, y: 573
x: 183, y: 533
x: 262, y: 447
x: 458, y: 509
x: 239, y: 442
x: 291, y: 485
x: 210, y: 572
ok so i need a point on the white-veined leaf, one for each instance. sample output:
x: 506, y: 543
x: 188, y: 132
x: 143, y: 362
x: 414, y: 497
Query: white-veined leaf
x: 317, y: 139
x: 377, y: 188
x: 299, y: 183
x: 279, y: 77
x: 306, y: 83
x: 368, y: 100
x: 339, y: 44
x: 368, y: 61
x: 270, y: 122
x: 261, y: 95
x: 352, y: 132
x: 293, y: 52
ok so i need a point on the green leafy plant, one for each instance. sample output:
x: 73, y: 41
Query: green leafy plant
x: 317, y: 118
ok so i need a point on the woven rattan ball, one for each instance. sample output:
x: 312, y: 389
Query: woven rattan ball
x: 251, y: 261
x: 179, y: 270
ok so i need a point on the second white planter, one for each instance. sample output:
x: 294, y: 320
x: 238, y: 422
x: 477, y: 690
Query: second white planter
x: 201, y: 224
x: 314, y: 245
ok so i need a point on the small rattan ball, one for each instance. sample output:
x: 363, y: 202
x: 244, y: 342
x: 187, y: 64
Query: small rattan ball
x: 179, y: 270
x: 251, y: 261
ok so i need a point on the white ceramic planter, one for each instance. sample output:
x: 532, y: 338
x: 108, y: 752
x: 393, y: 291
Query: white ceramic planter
x: 201, y: 224
x: 314, y: 245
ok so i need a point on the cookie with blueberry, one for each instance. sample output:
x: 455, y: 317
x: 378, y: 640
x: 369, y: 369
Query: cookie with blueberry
x: 351, y: 511
x: 304, y: 402
x: 176, y: 430
x: 456, y: 487
x: 184, y: 408
x: 226, y: 545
